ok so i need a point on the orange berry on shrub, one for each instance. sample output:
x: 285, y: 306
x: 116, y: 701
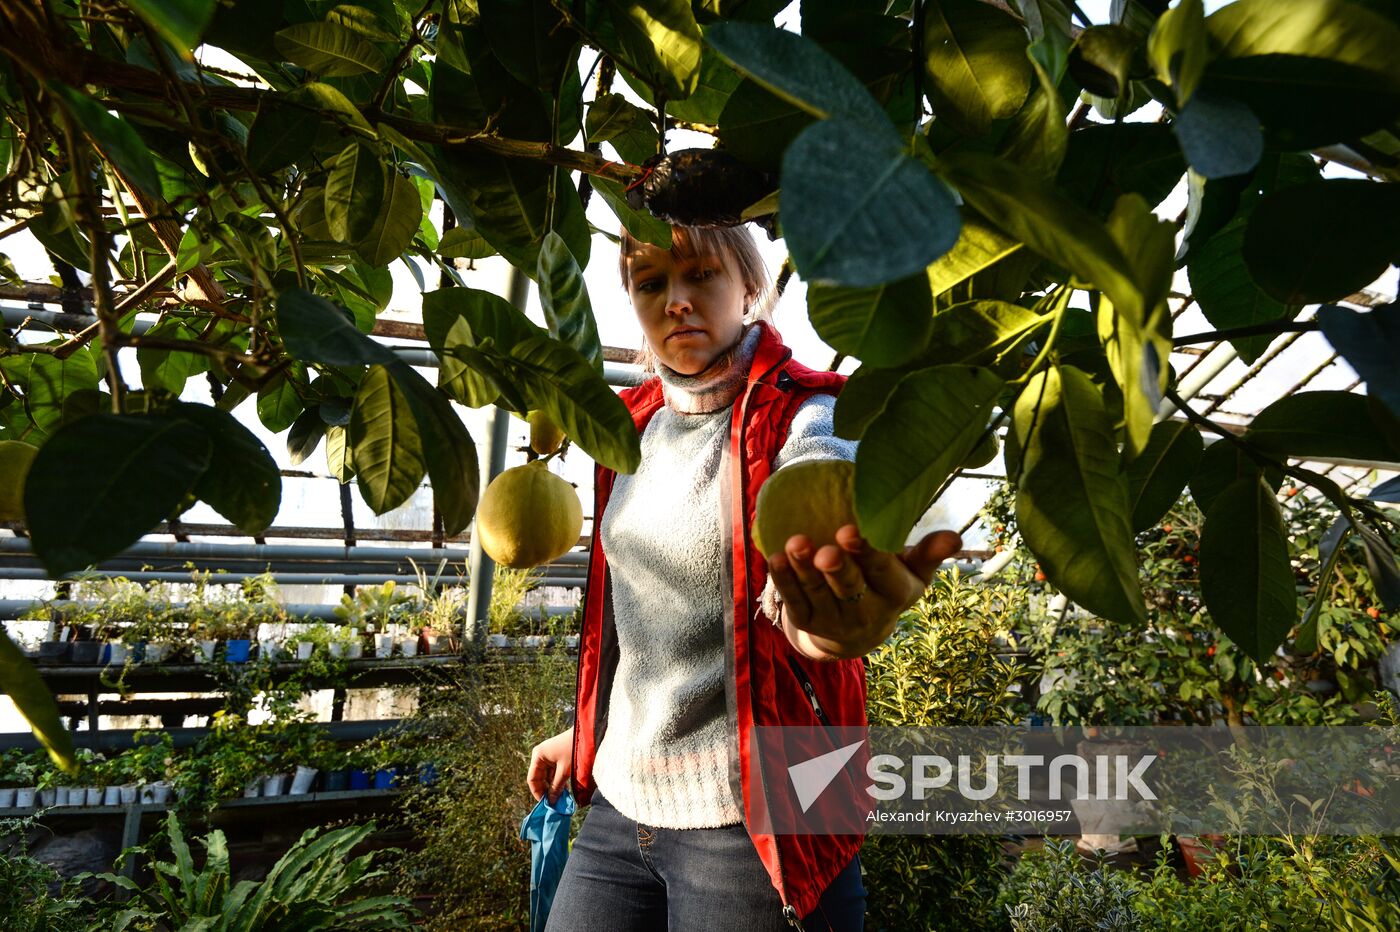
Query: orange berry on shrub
x: 1291, y: 491
x: 1210, y: 651
x: 1278, y: 674
x: 1188, y: 559
x: 1373, y: 612
x: 1039, y: 576
x: 1166, y: 529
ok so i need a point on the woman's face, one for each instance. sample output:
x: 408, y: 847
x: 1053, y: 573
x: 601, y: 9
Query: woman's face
x: 691, y: 310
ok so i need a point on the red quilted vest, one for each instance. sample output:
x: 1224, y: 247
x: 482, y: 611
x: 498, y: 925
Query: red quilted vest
x: 763, y: 671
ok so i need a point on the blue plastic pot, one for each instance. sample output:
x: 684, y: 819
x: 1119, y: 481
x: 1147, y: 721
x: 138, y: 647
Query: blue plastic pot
x: 427, y: 773
x: 384, y: 778
x: 236, y: 650
x: 359, y: 779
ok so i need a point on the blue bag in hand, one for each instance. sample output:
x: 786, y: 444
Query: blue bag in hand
x: 547, y: 830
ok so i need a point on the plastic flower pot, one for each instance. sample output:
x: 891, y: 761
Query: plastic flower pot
x: 408, y: 647
x: 204, y: 651
x: 237, y: 650
x: 117, y: 653
x: 571, y: 640
x: 356, y: 650
x: 87, y: 652
x: 304, y: 649
x: 302, y: 780
x: 54, y: 651
x: 335, y: 781
x: 112, y: 796
x: 384, y: 778
x: 137, y: 652
x: 498, y: 640
x: 7, y: 797
x: 159, y: 792
x: 268, y: 650
x: 92, y: 796
x: 428, y: 642
x: 359, y: 779
x: 126, y: 794
x: 384, y: 646
x: 157, y: 651
x: 275, y: 784
x: 47, y: 797
x: 537, y: 640
x: 253, y: 788
x: 24, y: 797
x: 427, y: 773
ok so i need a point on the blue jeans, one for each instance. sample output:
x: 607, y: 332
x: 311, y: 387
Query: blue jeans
x: 622, y: 875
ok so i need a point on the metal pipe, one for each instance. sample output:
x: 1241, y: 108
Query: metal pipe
x: 286, y: 579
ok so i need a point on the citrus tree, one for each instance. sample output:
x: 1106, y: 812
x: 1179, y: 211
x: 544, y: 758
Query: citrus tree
x: 947, y: 175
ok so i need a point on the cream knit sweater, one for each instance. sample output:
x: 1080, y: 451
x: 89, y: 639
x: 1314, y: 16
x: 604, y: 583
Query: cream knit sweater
x: 663, y: 760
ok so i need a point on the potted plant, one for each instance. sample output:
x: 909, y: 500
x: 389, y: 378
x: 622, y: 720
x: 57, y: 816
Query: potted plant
x: 24, y: 773
x: 360, y: 762
x: 334, y: 764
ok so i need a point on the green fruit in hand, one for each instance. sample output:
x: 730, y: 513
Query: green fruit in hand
x: 982, y: 454
x: 545, y: 436
x: 15, y: 459
x: 528, y: 516
x: 813, y: 498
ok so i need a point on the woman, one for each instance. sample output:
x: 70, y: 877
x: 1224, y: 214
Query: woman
x: 691, y: 638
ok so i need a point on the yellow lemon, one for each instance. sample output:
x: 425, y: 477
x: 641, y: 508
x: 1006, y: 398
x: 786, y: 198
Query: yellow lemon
x: 528, y: 516
x: 814, y: 498
x: 545, y: 436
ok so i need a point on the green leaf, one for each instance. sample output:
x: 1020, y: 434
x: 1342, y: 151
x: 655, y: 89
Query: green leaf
x: 798, y: 71
x: 1226, y: 293
x: 1370, y: 343
x: 1045, y: 221
x: 147, y: 467
x: 447, y: 317
x: 305, y: 435
x: 975, y: 63
x: 393, y: 229
x: 354, y: 193
x: 1246, y: 579
x: 478, y: 327
x: 640, y: 223
x: 1220, y: 136
x: 21, y: 682
x: 756, y: 127
x: 862, y: 398
x: 279, y: 404
x: 658, y: 40
x: 980, y: 246
x: 984, y: 333
x: 180, y: 22
x: 170, y: 369
x: 450, y: 452
x: 884, y: 325
x: 1102, y: 163
x: 330, y: 99
x: 338, y: 458
x: 628, y: 127
x: 927, y: 427
x: 386, y: 442
x: 1101, y: 59
x: 1329, y: 423
x: 315, y: 330
x: 531, y: 40
x: 242, y: 482
x: 283, y: 133
x: 858, y: 211
x: 716, y: 83
x: 1038, y: 138
x: 1072, y: 501
x: 1323, y: 240
x: 464, y: 243
x: 330, y: 50
x: 564, y: 299
x: 54, y: 389
x: 114, y: 138
x: 1221, y: 464
x: 1296, y: 98
x: 1336, y: 30
x: 1138, y: 342
x: 1177, y: 48
x: 1157, y: 475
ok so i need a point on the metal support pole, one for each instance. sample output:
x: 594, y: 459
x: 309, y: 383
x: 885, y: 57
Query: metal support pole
x: 481, y: 566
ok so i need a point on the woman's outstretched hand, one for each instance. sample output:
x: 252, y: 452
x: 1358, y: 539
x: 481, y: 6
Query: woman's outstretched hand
x: 843, y: 600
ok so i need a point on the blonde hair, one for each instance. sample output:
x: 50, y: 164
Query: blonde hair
x: 728, y: 244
